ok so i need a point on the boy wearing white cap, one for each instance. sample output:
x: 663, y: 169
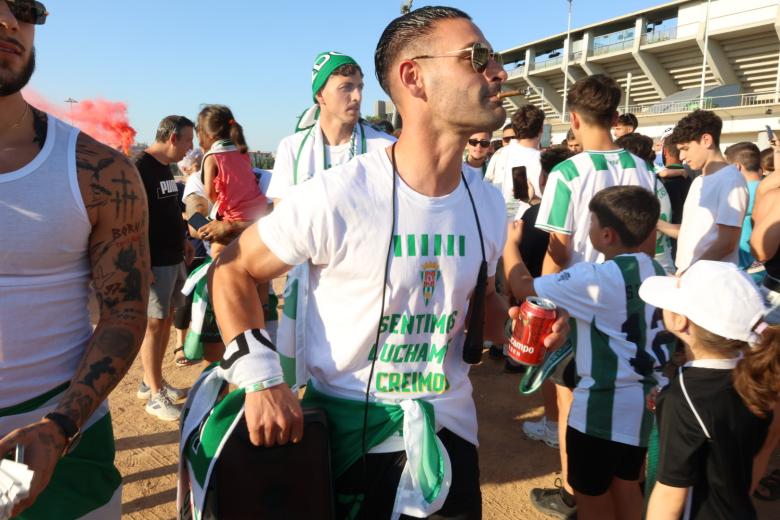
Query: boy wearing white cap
x: 617, y: 345
x: 713, y: 417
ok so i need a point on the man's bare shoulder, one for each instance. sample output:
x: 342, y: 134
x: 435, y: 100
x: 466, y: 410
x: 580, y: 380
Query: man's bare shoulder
x: 106, y: 177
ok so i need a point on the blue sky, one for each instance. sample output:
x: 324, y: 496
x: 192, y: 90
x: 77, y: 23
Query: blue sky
x: 170, y: 56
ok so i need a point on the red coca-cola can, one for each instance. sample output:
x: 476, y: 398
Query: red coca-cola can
x: 535, y: 322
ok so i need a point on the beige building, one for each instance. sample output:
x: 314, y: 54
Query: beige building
x: 657, y: 56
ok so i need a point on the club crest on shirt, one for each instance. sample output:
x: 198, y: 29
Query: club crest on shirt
x: 429, y: 275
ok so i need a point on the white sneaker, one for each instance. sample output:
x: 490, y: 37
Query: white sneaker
x: 176, y: 394
x: 161, y: 406
x: 145, y: 392
x: 542, y: 430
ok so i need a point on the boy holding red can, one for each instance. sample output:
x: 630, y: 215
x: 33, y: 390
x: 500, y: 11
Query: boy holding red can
x: 618, y: 349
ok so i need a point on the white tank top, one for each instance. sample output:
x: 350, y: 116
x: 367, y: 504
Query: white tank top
x: 44, y: 270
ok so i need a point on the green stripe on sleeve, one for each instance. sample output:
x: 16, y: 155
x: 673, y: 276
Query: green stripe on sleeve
x: 462, y: 245
x: 561, y: 206
x: 568, y: 170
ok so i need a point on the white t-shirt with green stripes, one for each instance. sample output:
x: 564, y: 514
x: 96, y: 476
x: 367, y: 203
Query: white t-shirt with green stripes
x: 571, y: 185
x: 618, y: 350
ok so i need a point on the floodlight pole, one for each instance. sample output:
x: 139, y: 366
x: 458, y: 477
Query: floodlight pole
x: 70, y: 101
x: 704, y: 59
x: 566, y: 64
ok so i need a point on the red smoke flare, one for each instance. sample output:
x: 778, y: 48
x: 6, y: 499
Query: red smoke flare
x: 104, y: 120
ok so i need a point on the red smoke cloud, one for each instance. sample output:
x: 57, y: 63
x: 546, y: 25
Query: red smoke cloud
x: 104, y: 120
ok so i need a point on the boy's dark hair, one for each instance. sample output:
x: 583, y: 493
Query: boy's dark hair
x: 218, y: 122
x: 745, y: 153
x: 631, y: 211
x: 696, y: 124
x: 171, y: 125
x: 768, y: 160
x: 595, y: 99
x: 553, y: 156
x: 569, y: 135
x: 507, y: 127
x: 671, y: 150
x: 527, y: 122
x: 348, y: 69
x: 404, y: 31
x: 638, y: 144
x: 628, y: 119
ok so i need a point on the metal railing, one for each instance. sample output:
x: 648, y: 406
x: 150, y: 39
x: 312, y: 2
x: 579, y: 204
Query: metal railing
x: 709, y: 103
x: 659, y: 36
x: 612, y: 47
x: 550, y: 62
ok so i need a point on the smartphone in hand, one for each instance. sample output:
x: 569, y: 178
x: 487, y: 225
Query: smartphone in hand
x: 197, y: 221
x: 520, y: 183
x: 769, y: 133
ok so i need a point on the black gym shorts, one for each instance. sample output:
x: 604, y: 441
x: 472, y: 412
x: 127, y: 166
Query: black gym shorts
x: 594, y: 462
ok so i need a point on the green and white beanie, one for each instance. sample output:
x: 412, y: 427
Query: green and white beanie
x: 324, y: 65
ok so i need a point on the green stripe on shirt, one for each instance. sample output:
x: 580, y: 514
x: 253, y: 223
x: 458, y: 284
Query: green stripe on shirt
x: 560, y: 207
x: 599, y: 161
x: 627, y: 160
x: 601, y: 396
x: 568, y: 170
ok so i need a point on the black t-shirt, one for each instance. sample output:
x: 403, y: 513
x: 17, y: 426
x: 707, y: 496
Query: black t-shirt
x: 677, y: 188
x: 717, y: 469
x: 166, y: 226
x: 534, y: 244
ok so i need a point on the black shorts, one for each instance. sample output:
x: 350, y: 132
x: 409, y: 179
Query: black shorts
x: 565, y: 373
x: 378, y: 482
x: 594, y: 462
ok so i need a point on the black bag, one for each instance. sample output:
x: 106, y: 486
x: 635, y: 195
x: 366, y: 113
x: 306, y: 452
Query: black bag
x: 287, y: 482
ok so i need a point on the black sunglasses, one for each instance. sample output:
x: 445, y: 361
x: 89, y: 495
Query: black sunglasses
x: 480, y: 56
x: 28, y: 11
x: 479, y: 142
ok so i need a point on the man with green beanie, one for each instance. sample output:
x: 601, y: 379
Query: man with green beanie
x: 328, y: 134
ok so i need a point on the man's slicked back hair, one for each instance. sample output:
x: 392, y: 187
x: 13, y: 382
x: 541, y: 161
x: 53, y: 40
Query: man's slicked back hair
x: 595, y: 99
x: 404, y: 31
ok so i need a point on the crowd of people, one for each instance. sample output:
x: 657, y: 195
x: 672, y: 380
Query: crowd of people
x: 403, y: 252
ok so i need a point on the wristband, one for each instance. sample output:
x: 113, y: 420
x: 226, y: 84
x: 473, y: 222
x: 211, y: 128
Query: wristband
x: 256, y: 387
x: 251, y: 361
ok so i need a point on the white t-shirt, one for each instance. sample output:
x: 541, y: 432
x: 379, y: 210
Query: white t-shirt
x: 290, y: 146
x: 618, y: 358
x: 478, y: 170
x: 717, y: 198
x: 500, y: 172
x: 571, y: 185
x: 339, y: 222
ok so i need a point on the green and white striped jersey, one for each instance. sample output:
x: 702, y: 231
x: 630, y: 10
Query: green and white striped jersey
x: 663, y: 244
x: 571, y: 185
x: 618, y: 349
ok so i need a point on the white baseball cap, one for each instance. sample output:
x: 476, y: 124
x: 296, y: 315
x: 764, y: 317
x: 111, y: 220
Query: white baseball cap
x: 716, y: 296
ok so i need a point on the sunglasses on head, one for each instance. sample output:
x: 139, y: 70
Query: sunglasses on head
x: 479, y: 54
x: 28, y: 11
x: 479, y: 142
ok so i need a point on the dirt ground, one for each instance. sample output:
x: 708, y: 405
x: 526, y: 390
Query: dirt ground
x: 510, y: 464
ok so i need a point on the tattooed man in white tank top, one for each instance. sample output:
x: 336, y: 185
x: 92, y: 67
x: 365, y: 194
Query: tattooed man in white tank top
x: 73, y: 211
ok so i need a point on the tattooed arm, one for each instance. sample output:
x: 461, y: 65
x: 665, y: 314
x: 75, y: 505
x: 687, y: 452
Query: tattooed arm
x: 119, y: 256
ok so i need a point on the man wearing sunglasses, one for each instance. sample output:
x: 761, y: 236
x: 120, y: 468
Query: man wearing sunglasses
x: 77, y: 216
x: 477, y: 148
x: 404, y: 232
